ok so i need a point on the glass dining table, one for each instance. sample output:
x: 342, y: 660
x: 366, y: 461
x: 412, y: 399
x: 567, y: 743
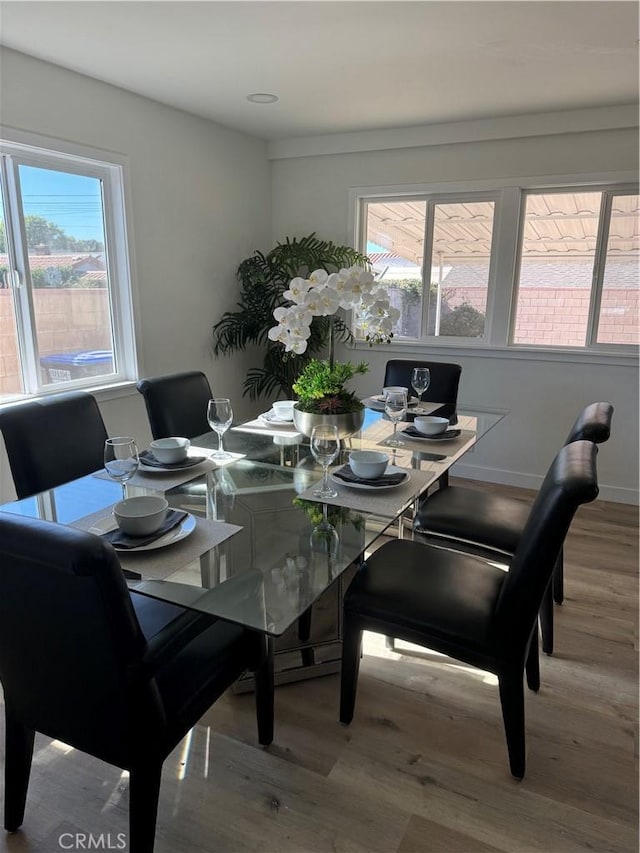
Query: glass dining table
x: 276, y: 560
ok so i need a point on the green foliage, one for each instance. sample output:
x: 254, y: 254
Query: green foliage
x: 320, y: 387
x: 42, y: 232
x: 411, y: 286
x: 56, y: 276
x: 263, y: 280
x: 463, y: 322
x: 336, y: 515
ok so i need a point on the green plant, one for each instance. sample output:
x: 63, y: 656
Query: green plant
x: 335, y: 515
x: 263, y: 279
x: 465, y: 321
x: 320, y: 387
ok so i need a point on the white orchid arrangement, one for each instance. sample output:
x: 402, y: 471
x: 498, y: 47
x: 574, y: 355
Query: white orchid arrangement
x: 322, y: 294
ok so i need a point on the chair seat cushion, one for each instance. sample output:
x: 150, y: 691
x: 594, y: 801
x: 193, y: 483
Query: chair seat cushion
x: 201, y: 671
x: 470, y: 515
x: 156, y: 617
x: 423, y: 592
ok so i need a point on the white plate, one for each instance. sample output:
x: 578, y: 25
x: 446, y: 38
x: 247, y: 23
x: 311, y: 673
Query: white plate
x: 442, y: 437
x: 271, y: 418
x: 380, y: 398
x: 391, y: 469
x: 376, y: 404
x: 187, y: 526
x: 155, y: 469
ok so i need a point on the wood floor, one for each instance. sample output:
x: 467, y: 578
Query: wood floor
x: 423, y: 766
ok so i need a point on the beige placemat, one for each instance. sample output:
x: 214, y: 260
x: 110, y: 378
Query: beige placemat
x: 162, y: 481
x: 258, y: 426
x: 385, y: 502
x: 377, y: 405
x: 161, y: 562
x: 446, y: 448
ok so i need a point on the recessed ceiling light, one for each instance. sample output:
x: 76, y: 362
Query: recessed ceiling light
x: 262, y: 98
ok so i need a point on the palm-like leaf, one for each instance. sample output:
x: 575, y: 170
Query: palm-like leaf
x: 263, y: 279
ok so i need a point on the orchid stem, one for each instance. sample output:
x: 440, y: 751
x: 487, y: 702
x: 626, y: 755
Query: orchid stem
x: 331, y: 354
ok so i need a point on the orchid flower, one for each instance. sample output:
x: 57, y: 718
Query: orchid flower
x: 321, y: 295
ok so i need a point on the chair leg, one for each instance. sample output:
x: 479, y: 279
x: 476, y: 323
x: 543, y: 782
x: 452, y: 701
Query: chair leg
x: 263, y: 680
x: 532, y: 666
x: 512, y: 701
x: 144, y: 792
x: 558, y: 579
x: 17, y: 768
x: 351, y: 646
x: 546, y: 620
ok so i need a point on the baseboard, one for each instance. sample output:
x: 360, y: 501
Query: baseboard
x: 616, y: 494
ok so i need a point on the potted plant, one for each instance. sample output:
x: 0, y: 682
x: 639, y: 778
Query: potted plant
x: 320, y: 386
x: 322, y: 397
x: 264, y: 279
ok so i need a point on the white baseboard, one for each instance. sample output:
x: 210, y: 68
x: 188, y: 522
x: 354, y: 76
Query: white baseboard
x: 617, y: 494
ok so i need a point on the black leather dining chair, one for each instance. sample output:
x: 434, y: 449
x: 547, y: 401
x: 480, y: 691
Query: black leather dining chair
x: 76, y: 666
x: 177, y: 404
x: 480, y: 521
x: 52, y: 440
x: 443, y: 385
x: 57, y: 439
x: 466, y: 607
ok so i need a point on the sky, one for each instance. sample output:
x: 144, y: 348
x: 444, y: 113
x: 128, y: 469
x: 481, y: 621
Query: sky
x: 72, y: 202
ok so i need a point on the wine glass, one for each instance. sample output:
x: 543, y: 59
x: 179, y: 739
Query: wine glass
x: 220, y: 417
x: 324, y: 544
x: 121, y: 459
x: 420, y: 379
x: 325, y: 446
x: 395, y: 407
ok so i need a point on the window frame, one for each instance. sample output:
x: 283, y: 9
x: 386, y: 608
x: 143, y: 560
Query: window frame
x: 505, y: 260
x: 27, y: 149
x: 609, y: 191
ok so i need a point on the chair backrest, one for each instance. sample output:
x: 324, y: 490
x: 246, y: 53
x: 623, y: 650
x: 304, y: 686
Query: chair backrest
x: 70, y: 642
x: 443, y: 387
x: 592, y: 424
x: 571, y: 481
x: 53, y: 440
x: 177, y: 404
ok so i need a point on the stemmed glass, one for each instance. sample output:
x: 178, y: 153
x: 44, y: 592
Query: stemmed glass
x: 420, y: 379
x: 121, y: 459
x: 220, y: 417
x: 324, y: 543
x: 395, y: 407
x: 325, y: 446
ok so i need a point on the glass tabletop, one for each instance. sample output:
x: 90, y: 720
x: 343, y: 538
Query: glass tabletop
x: 289, y: 550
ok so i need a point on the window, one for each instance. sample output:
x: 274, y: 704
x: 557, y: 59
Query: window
x: 578, y: 283
x: 510, y: 266
x: 445, y: 241
x: 65, y: 306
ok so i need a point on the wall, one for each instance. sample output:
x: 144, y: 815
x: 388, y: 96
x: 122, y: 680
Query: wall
x: 200, y: 203
x: 543, y: 394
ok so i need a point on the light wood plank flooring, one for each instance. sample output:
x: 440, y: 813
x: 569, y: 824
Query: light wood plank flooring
x: 423, y: 766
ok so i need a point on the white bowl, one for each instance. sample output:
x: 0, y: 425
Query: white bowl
x: 141, y: 516
x: 284, y: 409
x: 169, y: 450
x: 430, y: 425
x: 369, y: 464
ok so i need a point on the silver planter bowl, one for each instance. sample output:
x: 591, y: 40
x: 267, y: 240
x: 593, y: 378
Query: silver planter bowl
x: 347, y: 424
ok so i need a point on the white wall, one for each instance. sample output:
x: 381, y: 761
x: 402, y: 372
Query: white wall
x: 200, y: 198
x: 310, y: 193
x: 204, y: 197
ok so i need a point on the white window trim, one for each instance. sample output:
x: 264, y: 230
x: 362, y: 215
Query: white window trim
x: 37, y: 150
x: 502, y: 289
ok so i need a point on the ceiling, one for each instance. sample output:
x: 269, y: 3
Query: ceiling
x: 343, y: 66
